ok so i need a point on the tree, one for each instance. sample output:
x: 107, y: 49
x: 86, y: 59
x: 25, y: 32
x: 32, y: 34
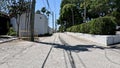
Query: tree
x: 16, y: 10
x: 73, y: 15
x: 38, y: 12
x: 43, y: 10
x: 70, y: 15
x: 4, y: 5
x: 97, y: 8
x: 75, y: 2
x: 48, y: 13
x: 13, y: 13
x: 116, y: 4
x: 88, y: 9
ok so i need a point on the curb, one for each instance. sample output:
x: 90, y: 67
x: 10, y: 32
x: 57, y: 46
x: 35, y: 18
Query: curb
x: 117, y: 46
x: 8, y: 40
x: 88, y: 41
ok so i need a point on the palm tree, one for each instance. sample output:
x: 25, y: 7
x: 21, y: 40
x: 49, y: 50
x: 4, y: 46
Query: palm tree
x: 38, y: 12
x: 48, y: 13
x: 43, y: 10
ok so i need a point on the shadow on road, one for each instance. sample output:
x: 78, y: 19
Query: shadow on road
x: 68, y: 49
x: 76, y: 48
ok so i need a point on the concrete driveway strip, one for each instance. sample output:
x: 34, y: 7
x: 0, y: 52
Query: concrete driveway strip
x: 57, y: 51
x: 90, y: 56
x: 23, y: 54
x: 11, y: 50
x: 56, y: 58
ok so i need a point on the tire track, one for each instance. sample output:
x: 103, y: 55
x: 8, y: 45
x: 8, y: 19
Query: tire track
x: 109, y: 59
x: 70, y: 56
x: 43, y: 65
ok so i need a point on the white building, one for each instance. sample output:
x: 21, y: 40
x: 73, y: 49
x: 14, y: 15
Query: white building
x: 40, y: 24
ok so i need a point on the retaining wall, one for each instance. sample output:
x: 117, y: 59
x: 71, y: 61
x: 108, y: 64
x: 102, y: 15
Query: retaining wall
x: 104, y: 40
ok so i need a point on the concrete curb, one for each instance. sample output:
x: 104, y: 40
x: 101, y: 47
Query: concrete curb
x: 97, y: 44
x: 7, y: 40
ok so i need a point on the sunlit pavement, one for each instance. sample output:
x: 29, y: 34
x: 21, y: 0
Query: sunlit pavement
x: 57, y: 51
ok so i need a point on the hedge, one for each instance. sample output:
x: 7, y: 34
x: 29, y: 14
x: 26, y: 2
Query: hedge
x: 98, y: 26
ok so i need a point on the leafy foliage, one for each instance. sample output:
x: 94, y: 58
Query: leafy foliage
x: 99, y: 26
x: 94, y: 8
x: 11, y: 32
x: 43, y: 10
x: 17, y: 9
x: 38, y: 12
x: 70, y: 15
x: 48, y: 13
x: 103, y: 25
x: 116, y: 14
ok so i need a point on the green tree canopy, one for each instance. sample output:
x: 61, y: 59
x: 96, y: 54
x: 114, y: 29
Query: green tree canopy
x: 38, y: 12
x: 70, y: 15
x: 48, y: 13
x: 43, y: 10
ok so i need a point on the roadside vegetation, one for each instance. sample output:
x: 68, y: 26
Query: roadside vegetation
x: 89, y: 16
x: 11, y: 32
x: 99, y: 26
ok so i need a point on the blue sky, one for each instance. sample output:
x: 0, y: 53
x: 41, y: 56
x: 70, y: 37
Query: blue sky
x: 54, y: 6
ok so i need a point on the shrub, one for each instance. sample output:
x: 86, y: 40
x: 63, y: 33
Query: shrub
x: 102, y: 26
x: 74, y: 28
x: 85, y: 28
x: 116, y: 16
x: 11, y: 32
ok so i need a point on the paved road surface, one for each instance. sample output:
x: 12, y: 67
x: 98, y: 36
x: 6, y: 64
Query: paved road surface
x: 57, y: 51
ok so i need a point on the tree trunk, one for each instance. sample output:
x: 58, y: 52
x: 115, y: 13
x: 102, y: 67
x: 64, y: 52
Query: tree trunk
x: 17, y: 30
x: 18, y: 26
x: 32, y: 19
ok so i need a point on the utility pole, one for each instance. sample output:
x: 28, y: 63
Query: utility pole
x: 32, y: 16
x: 53, y: 20
x: 55, y: 24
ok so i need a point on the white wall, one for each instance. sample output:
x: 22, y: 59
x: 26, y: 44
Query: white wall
x: 40, y: 24
x: 13, y: 22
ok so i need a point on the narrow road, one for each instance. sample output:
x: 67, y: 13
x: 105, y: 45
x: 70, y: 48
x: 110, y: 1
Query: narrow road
x: 57, y: 51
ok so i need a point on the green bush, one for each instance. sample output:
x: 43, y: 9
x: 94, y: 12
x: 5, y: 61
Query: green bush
x: 103, y: 26
x: 11, y: 32
x: 116, y: 16
x: 84, y: 28
x: 100, y: 26
x: 72, y: 29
